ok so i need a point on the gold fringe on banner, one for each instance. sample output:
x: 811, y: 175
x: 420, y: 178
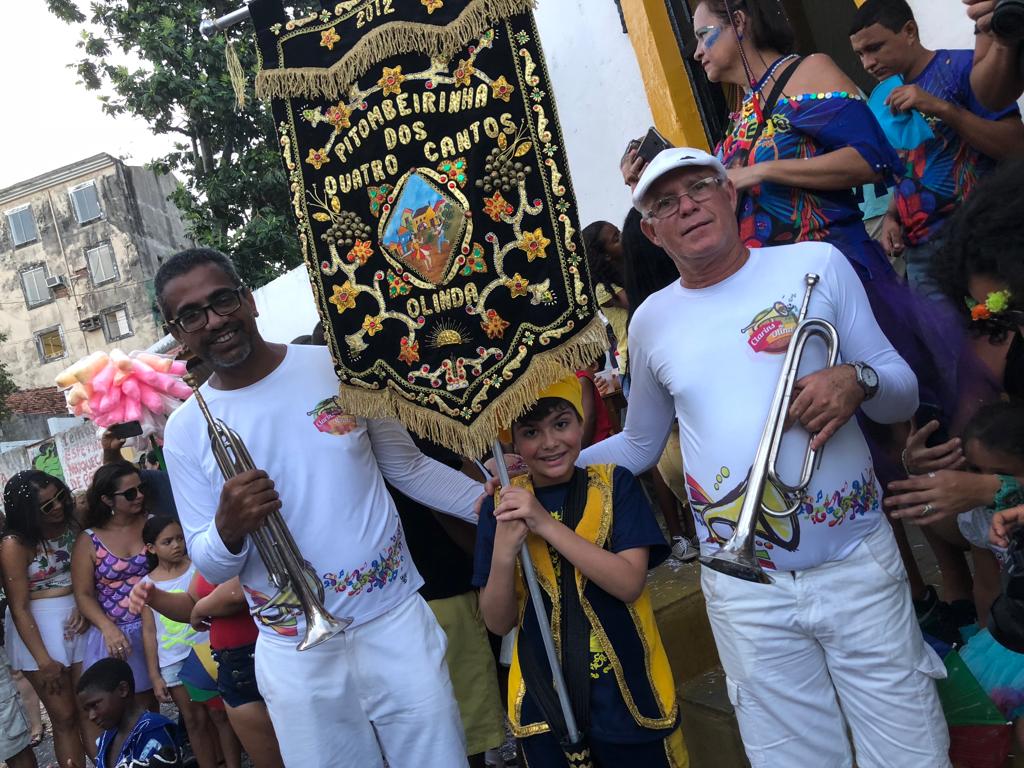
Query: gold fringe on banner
x: 392, y: 39
x: 474, y: 441
x: 235, y: 72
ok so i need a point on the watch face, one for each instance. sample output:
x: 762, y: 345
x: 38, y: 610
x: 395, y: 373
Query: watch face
x: 868, y: 376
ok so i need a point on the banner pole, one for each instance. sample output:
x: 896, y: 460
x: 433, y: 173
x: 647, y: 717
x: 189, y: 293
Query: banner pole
x: 538, y: 606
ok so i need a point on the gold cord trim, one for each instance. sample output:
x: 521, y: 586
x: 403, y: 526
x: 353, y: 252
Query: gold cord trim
x: 389, y: 40
x: 545, y: 369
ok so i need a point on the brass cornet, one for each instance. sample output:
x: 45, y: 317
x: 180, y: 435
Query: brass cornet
x: 286, y: 567
x: 736, y: 557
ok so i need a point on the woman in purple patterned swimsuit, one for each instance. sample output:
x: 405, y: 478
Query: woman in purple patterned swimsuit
x: 108, y: 560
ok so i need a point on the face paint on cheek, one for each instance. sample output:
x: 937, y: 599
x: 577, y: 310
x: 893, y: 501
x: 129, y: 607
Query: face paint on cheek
x: 711, y: 38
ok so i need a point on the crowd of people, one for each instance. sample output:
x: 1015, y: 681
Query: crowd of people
x: 154, y: 590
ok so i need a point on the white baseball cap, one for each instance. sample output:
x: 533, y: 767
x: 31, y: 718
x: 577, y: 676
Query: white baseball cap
x: 668, y: 160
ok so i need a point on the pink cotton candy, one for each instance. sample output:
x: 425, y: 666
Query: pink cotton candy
x: 151, y: 399
x: 130, y: 388
x: 178, y: 368
x: 132, y: 410
x: 104, y: 378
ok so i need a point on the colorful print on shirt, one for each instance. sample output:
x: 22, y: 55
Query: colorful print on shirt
x: 772, y: 328
x: 716, y: 519
x: 329, y: 417
x: 385, y: 569
x: 942, y: 172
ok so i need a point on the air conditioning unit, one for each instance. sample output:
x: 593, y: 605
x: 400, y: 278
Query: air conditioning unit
x: 90, y: 323
x: 54, y: 281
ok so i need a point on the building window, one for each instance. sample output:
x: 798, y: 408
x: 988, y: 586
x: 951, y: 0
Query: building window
x: 115, y: 323
x: 102, y: 264
x: 33, y: 282
x: 50, y: 344
x: 22, y: 224
x: 86, y: 202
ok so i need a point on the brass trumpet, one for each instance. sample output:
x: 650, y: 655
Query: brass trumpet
x: 736, y: 557
x: 286, y: 567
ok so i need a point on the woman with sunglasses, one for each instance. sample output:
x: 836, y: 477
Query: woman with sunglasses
x: 109, y: 559
x: 43, y: 626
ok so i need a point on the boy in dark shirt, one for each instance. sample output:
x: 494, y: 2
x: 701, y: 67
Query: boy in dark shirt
x: 592, y: 538
x: 133, y: 737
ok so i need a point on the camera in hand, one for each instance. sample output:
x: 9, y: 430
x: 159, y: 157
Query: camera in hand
x: 1006, y: 620
x: 1008, y: 19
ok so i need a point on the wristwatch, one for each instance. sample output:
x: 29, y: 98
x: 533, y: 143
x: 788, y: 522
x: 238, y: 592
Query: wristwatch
x: 866, y: 378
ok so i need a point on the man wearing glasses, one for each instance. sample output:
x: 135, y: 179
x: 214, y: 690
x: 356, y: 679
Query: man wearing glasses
x: 382, y: 684
x: 833, y: 641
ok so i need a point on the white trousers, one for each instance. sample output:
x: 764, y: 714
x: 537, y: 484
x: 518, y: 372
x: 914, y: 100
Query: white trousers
x: 823, y: 649
x: 380, y: 687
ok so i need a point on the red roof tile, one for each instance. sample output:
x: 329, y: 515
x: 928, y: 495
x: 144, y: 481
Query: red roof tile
x: 45, y: 400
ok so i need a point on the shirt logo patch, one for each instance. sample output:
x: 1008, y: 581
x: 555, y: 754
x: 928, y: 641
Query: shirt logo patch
x: 771, y: 329
x: 329, y: 417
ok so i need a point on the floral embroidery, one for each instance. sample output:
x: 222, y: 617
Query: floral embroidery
x: 361, y: 252
x: 432, y: 5
x: 338, y: 116
x: 378, y: 196
x: 854, y: 499
x: 517, y: 285
x: 475, y: 262
x: 328, y: 38
x: 391, y: 81
x: 599, y: 665
x: 463, y: 73
x: 372, y: 325
x: 376, y: 575
x: 318, y: 157
x: 535, y: 244
x: 396, y: 285
x: 454, y: 169
x: 502, y: 89
x: 493, y: 325
x: 410, y: 351
x: 344, y: 296
x: 497, y: 206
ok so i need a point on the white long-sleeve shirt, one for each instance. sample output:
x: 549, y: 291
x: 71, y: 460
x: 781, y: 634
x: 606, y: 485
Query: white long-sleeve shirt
x: 329, y: 469
x: 711, y: 359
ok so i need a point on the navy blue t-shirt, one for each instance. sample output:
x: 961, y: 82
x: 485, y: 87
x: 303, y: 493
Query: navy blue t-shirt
x: 633, y: 525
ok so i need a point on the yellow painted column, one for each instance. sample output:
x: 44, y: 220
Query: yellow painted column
x: 661, y: 66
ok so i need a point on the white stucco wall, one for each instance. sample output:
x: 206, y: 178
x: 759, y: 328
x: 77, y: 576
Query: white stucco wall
x: 943, y: 24
x: 600, y: 96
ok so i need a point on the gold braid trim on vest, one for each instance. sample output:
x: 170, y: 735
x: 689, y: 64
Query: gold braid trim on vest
x: 595, y: 527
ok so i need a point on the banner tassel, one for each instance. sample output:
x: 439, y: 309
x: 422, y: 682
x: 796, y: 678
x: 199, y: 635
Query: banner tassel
x: 235, y: 72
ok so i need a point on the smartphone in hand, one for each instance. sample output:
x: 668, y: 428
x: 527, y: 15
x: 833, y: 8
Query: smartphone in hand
x: 652, y: 145
x: 125, y: 430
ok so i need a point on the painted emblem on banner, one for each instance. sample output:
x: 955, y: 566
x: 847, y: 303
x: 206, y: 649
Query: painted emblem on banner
x: 423, y: 228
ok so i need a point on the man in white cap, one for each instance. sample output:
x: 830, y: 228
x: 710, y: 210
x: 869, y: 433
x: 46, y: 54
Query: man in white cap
x: 833, y: 641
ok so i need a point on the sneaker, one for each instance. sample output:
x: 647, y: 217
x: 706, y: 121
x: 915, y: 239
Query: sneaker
x: 683, y: 549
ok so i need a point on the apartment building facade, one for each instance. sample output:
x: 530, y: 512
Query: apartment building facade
x: 79, y: 247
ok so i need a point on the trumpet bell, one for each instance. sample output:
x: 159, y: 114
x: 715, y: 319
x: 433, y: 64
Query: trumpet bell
x: 320, y: 628
x: 738, y: 564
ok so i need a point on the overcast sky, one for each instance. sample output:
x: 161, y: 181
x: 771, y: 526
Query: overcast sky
x: 49, y: 120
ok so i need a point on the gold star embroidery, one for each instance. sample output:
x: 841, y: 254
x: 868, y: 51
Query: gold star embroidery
x: 391, y: 81
x: 517, y: 285
x: 463, y: 73
x: 502, y: 89
x: 344, y: 296
x: 372, y: 325
x: 535, y: 244
x: 328, y: 38
x: 317, y: 157
x: 432, y: 5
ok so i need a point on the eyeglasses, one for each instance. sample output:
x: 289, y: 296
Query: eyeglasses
x: 130, y: 494
x: 57, y: 498
x: 223, y: 303
x: 699, y: 192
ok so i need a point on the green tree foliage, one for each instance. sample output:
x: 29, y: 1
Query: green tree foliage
x: 147, y: 58
x: 7, y: 385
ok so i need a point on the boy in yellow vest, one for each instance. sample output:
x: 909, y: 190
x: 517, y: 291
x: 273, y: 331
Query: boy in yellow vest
x: 592, y: 538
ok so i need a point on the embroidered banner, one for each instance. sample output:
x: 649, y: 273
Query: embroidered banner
x: 433, y: 202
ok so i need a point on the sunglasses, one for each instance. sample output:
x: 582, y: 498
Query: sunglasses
x: 130, y: 494
x: 58, y: 498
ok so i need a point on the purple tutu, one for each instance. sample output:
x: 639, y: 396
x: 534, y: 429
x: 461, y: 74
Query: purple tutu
x: 96, y: 649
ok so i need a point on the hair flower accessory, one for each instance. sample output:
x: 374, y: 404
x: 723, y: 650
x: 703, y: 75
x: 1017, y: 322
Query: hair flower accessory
x: 996, y: 303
